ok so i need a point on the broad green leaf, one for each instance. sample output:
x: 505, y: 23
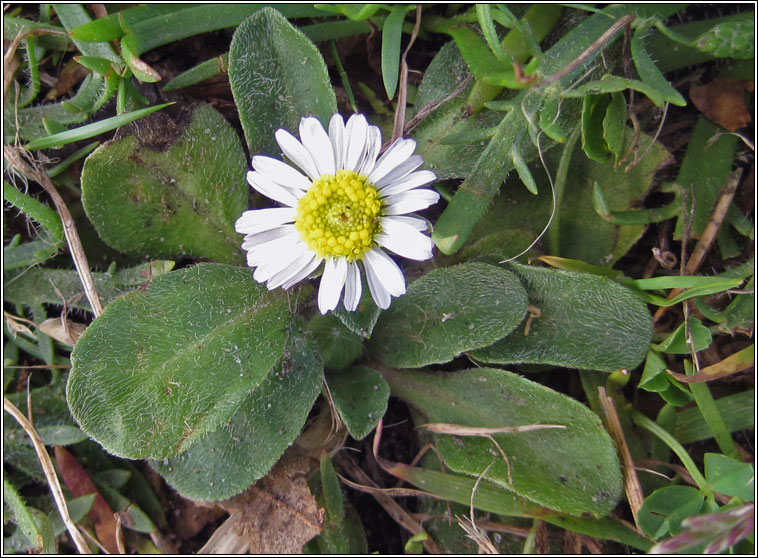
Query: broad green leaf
x: 662, y: 512
x: 360, y: 395
x: 573, y: 470
x: 338, y: 345
x: 39, y: 284
x: 58, y: 40
x: 91, y: 130
x: 277, y: 77
x: 445, y: 75
x: 163, y: 366
x: 169, y: 190
x: 446, y: 312
x: 729, y: 476
x: 584, y: 321
x: 362, y: 320
x: 61, y: 435
x: 245, y: 447
x: 656, y: 379
x: 580, y: 232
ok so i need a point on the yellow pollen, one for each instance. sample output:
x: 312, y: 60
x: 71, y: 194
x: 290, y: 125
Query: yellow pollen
x: 339, y: 215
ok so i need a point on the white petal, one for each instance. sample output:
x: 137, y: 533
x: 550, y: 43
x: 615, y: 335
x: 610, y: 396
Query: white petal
x: 407, y: 202
x: 352, y: 287
x: 277, y: 259
x: 378, y: 292
x: 418, y: 224
x: 293, y: 269
x: 332, y: 281
x: 259, y: 220
x: 316, y: 140
x: 337, y: 137
x: 252, y: 240
x: 404, y: 168
x: 272, y: 190
x: 269, y: 254
x: 404, y: 240
x: 356, y: 133
x: 373, y: 145
x: 408, y: 182
x: 397, y: 153
x: 303, y: 273
x: 386, y: 271
x: 297, y: 153
x: 281, y: 173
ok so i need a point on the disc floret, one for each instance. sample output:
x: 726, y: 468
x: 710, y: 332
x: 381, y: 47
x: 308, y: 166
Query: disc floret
x: 339, y: 215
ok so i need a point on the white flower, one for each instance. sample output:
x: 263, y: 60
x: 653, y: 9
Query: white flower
x: 349, y: 204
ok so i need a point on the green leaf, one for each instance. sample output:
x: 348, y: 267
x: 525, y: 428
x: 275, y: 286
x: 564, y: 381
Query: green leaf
x: 736, y: 410
x: 362, y: 320
x: 594, y: 109
x: 74, y: 15
x: 392, y: 34
x: 584, y: 321
x: 91, y: 130
x: 338, y: 345
x: 615, y: 84
x: 330, y: 485
x: 22, y: 516
x: 573, y: 470
x: 170, y: 190
x: 245, y: 447
x: 141, y: 71
x: 39, y: 284
x: 676, y: 343
x: 277, y: 77
x: 61, y: 435
x: 446, y: 312
x: 201, y: 72
x: 703, y: 172
x: 729, y: 476
x: 649, y: 72
x: 50, y: 239
x: 163, y: 366
x: 662, y: 512
x: 614, y: 126
x: 360, y: 395
x: 655, y: 379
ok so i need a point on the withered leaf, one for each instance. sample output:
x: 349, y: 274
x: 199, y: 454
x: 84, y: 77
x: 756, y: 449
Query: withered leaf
x: 723, y: 102
x: 278, y: 514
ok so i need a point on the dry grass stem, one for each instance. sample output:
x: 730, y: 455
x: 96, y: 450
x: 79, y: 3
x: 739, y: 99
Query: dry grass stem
x: 631, y: 483
x: 49, y: 471
x: 12, y: 155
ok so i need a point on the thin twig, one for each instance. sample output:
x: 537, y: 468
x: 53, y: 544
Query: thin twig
x: 631, y: 483
x: 582, y: 58
x: 69, y: 227
x: 708, y: 235
x: 49, y: 471
x: 402, y: 95
x: 426, y: 110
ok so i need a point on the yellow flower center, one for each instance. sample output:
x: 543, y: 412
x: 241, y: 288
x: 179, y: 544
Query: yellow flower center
x: 339, y: 215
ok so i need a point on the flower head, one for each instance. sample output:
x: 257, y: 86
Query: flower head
x: 349, y: 204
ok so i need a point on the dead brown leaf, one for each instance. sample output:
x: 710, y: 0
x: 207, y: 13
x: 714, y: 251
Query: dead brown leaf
x: 278, y: 514
x: 67, y: 333
x: 723, y: 101
x: 79, y: 483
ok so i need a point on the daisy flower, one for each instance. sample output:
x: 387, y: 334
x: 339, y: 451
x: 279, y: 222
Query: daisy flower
x: 344, y: 209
